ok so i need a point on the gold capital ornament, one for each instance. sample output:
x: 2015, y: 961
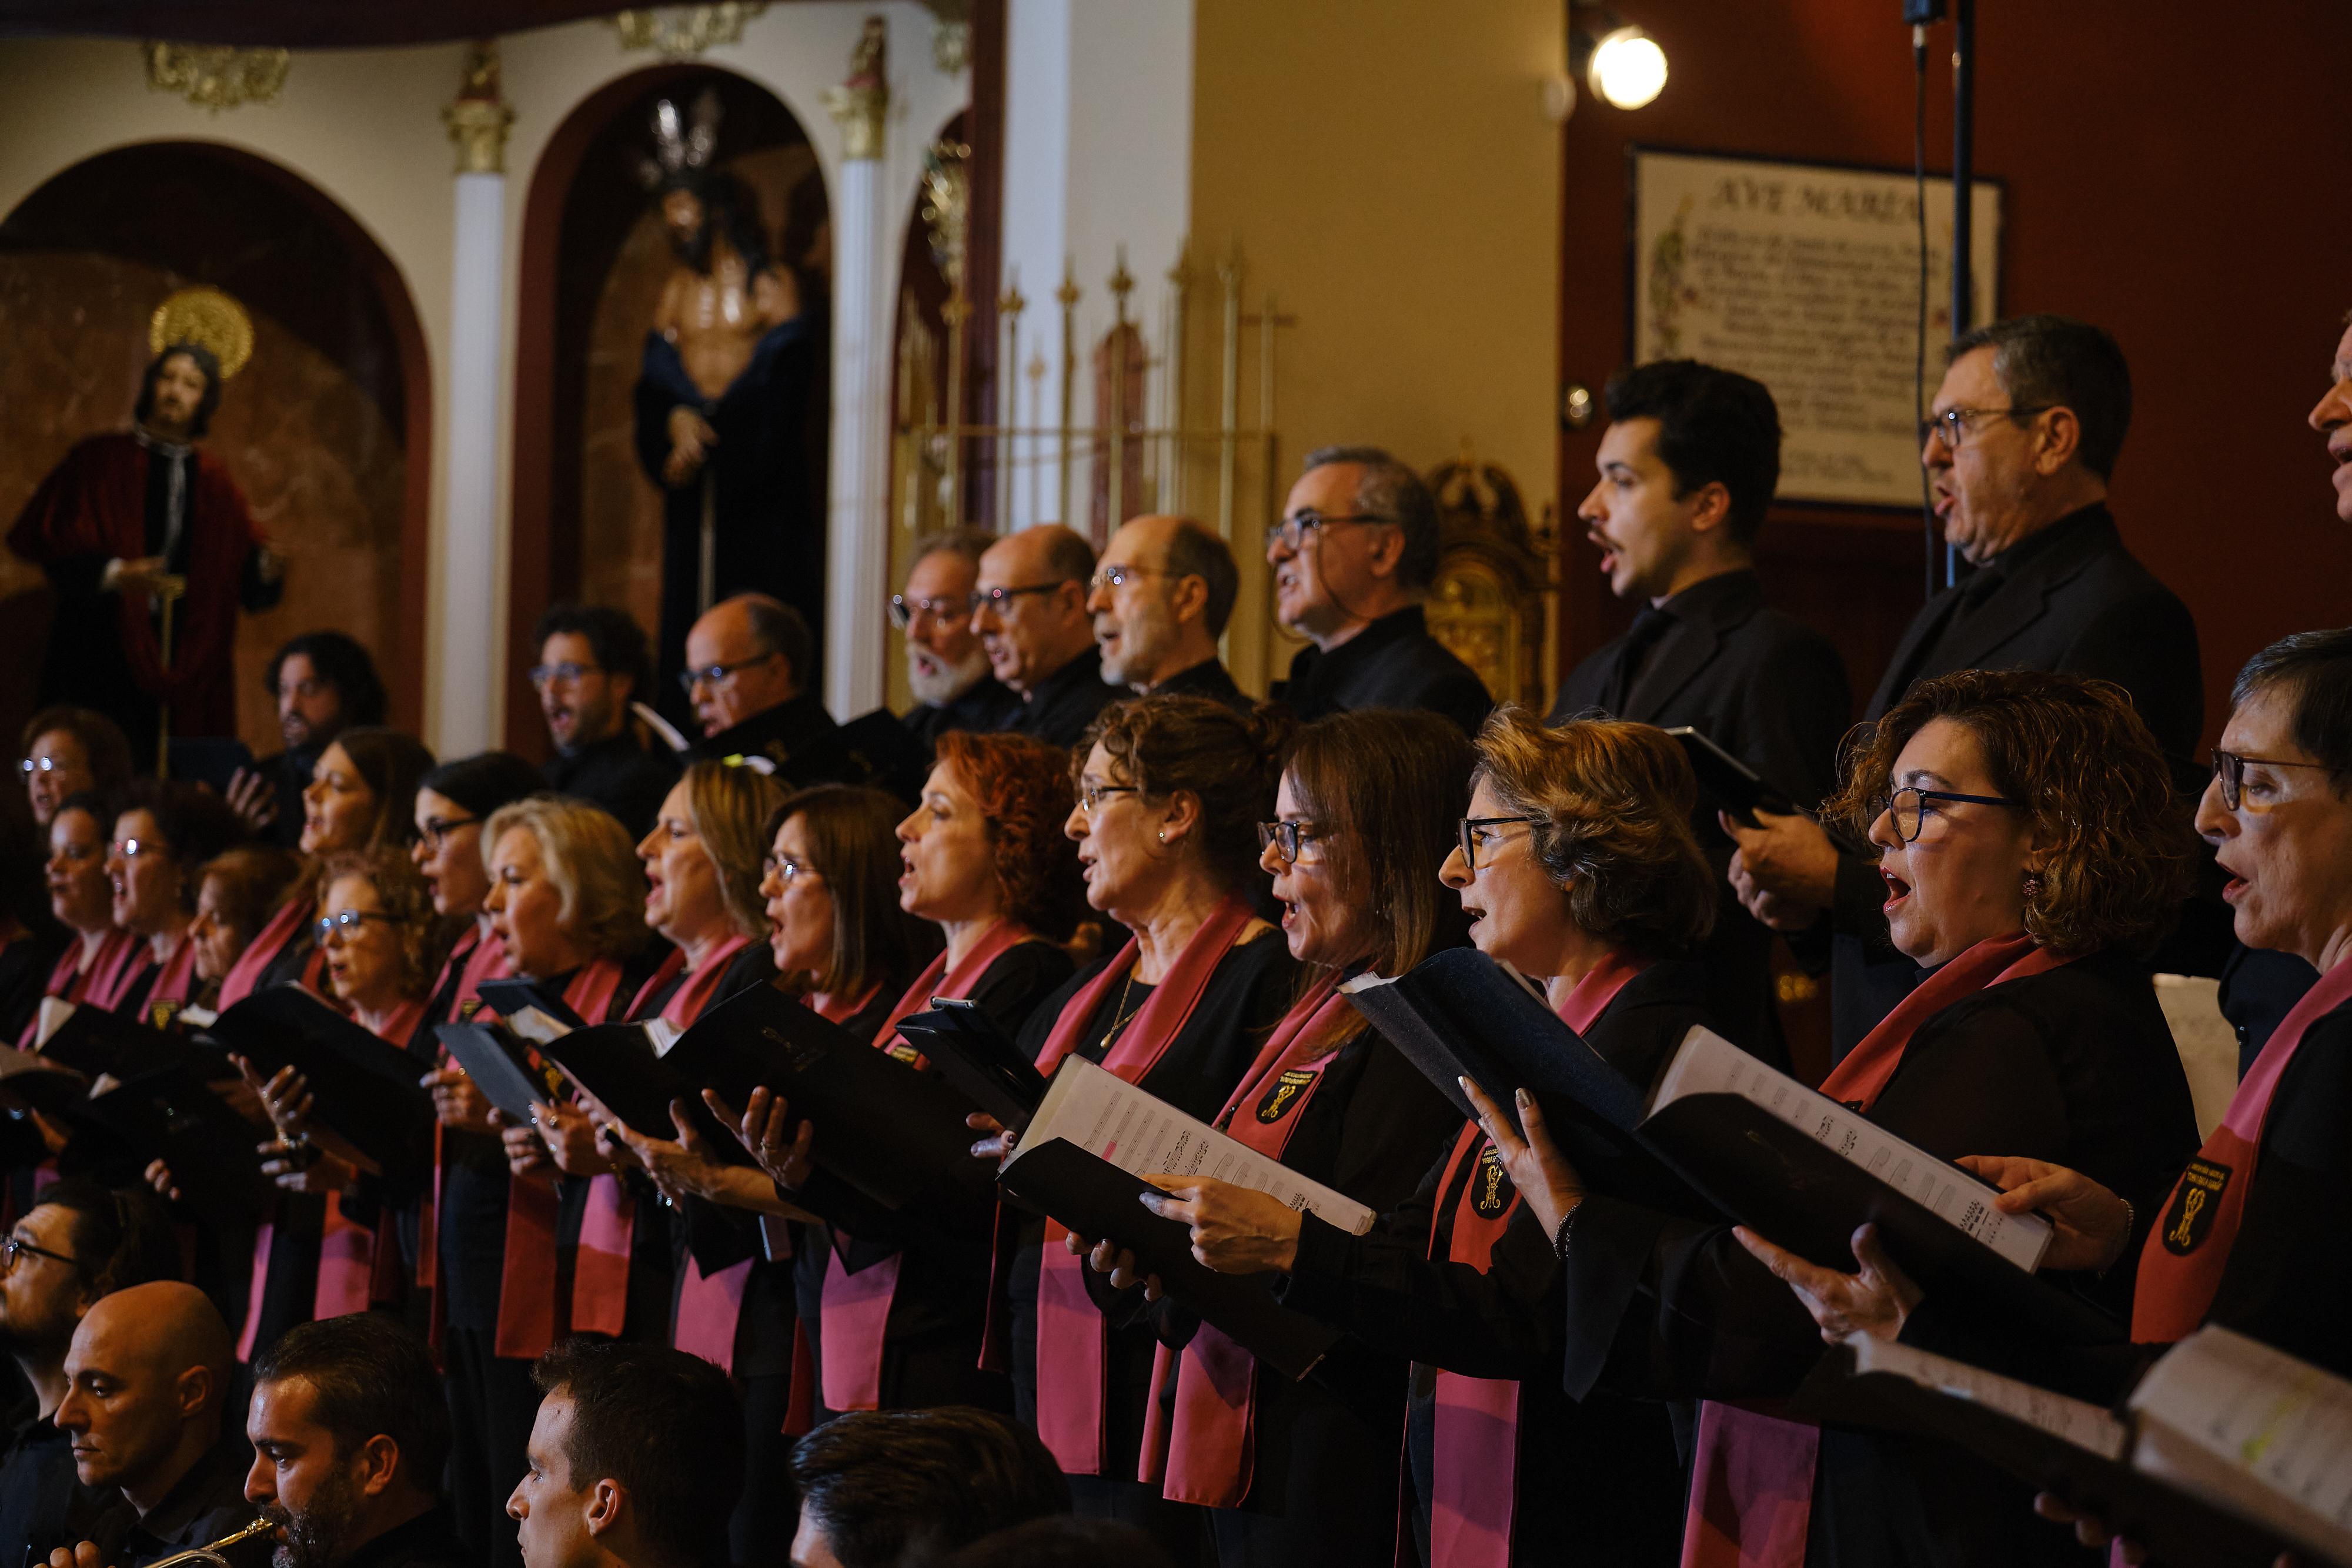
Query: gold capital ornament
x: 479, y: 118
x: 217, y: 75
x: 860, y: 104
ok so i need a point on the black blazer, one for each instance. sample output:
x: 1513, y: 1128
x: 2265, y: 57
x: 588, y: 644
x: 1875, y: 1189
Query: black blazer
x: 2073, y: 600
x: 1769, y: 690
x: 1392, y: 663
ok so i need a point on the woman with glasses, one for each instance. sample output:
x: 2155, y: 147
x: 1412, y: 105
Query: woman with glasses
x: 67, y: 751
x: 2031, y: 849
x: 161, y: 838
x: 81, y: 899
x: 1306, y: 1472
x: 1169, y: 791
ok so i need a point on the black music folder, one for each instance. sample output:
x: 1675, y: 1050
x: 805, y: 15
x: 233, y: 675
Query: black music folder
x: 211, y: 1151
x: 92, y: 1040
x: 621, y: 1066
x: 973, y: 1052
x: 510, y: 995
x: 363, y: 1088
x: 1742, y: 792
x: 498, y: 1069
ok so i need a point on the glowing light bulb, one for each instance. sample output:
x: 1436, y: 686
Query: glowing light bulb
x: 1628, y: 69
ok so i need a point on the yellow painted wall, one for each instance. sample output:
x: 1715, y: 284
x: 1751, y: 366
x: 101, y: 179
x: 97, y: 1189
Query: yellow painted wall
x: 1395, y: 182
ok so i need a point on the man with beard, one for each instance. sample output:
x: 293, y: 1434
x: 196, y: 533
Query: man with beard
x: 946, y: 665
x: 350, y: 1432
x: 147, y: 1381
x: 1160, y: 599
x: 593, y: 663
x: 323, y: 683
x: 119, y: 517
x: 724, y: 399
x: 80, y: 1243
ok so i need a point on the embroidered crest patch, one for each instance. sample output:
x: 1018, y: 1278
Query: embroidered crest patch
x: 2189, y: 1219
x: 1490, y: 1184
x: 1283, y: 1094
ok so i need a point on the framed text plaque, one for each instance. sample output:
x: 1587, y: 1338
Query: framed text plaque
x: 1806, y: 276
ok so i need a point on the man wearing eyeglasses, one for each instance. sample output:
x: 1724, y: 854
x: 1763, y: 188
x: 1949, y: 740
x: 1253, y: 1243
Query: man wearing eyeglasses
x: 743, y: 663
x: 79, y: 1244
x: 1160, y: 599
x: 1353, y: 557
x: 946, y: 667
x: 1029, y: 612
x: 592, y: 665
x: 2024, y: 437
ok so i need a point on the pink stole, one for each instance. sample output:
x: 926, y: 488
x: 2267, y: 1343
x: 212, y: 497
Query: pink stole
x: 70, y: 982
x: 1751, y: 1495
x: 1072, y: 1349
x: 173, y: 988
x: 282, y: 927
x: 855, y: 1316
x: 1204, y: 1450
x: 527, y: 1273
x: 110, y: 982
x: 2181, y: 1263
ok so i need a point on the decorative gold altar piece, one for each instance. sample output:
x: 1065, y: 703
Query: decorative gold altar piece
x: 1491, y: 603
x: 217, y: 75
x: 208, y: 319
x: 682, y: 31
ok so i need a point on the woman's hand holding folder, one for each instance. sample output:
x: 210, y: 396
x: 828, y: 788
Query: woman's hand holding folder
x: 1236, y: 1230
x: 1000, y: 1140
x: 762, y: 1127
x: 457, y: 1103
x: 1546, y: 1182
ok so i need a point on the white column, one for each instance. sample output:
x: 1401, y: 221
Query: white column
x: 464, y: 662
x: 857, y: 537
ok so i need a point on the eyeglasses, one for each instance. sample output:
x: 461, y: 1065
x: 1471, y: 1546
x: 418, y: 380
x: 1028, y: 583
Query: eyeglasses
x: 348, y: 922
x: 791, y: 870
x: 436, y: 830
x: 906, y: 612
x: 712, y: 675
x: 132, y: 849
x: 997, y: 599
x: 545, y: 675
x: 2230, y: 772
x: 1116, y: 576
x: 1287, y: 838
x: 32, y: 765
x: 1294, y: 530
x: 1091, y: 795
x: 15, y: 1246
x: 1909, y: 811
x: 1474, y: 833
x: 1953, y: 423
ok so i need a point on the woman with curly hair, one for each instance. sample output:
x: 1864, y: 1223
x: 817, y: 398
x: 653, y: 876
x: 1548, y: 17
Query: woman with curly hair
x: 2033, y: 851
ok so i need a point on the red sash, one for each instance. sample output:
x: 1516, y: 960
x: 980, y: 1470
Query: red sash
x: 69, y: 980
x: 2182, y: 1261
x: 174, y: 988
x: 1072, y: 1348
x: 840, y: 1008
x: 1751, y: 1495
x: 527, y: 1274
x: 110, y: 982
x: 854, y: 1318
x: 282, y: 928
x: 1205, y: 1449
x: 483, y: 958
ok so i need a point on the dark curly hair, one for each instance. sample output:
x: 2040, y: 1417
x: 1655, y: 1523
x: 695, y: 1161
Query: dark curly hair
x: 1022, y: 786
x: 424, y: 937
x: 1613, y: 801
x: 1229, y: 761
x: 2098, y: 792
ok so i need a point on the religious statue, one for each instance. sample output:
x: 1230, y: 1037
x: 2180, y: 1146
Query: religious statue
x: 149, y: 546
x: 723, y: 398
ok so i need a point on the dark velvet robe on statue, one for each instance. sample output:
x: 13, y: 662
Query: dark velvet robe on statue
x: 105, y: 501
x: 766, y: 479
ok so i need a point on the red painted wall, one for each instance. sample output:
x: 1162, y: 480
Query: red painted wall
x: 2173, y: 174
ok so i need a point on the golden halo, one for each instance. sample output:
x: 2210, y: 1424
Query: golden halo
x: 208, y: 319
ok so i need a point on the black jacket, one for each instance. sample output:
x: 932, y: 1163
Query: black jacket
x: 1392, y: 663
x: 988, y: 706
x: 424, y: 1541
x: 799, y: 736
x: 203, y: 1505
x: 617, y: 774
x: 1769, y: 690
x: 1209, y: 679
x: 1058, y: 709
x: 2070, y: 598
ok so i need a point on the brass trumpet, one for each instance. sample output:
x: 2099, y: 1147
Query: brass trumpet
x: 210, y: 1555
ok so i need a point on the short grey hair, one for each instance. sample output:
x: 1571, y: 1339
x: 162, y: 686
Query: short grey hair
x: 2056, y: 361
x: 1393, y: 493
x: 968, y: 542
x: 778, y: 628
x: 1195, y: 550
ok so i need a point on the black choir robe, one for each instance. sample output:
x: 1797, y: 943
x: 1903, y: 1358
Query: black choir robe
x: 1599, y: 1478
x: 2069, y: 598
x: 2075, y: 1065
x: 625, y: 778
x: 1392, y: 663
x: 1209, y: 679
x: 987, y: 705
x: 1058, y: 709
x: 1769, y: 690
x: 797, y: 736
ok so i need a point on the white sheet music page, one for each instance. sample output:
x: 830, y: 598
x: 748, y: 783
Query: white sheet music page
x: 2072, y: 1420
x: 1109, y: 1117
x: 1707, y: 1064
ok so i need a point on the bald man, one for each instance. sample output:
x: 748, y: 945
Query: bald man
x: 744, y: 661
x: 1029, y: 610
x: 1160, y: 599
x: 147, y: 1389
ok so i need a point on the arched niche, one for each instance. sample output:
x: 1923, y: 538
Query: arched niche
x: 586, y: 520
x: 328, y: 430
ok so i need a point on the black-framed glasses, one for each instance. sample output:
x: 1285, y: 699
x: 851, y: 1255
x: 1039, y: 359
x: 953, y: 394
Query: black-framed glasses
x: 568, y: 673
x: 2229, y: 772
x: 436, y: 830
x: 906, y: 612
x: 712, y: 675
x: 998, y: 599
x: 791, y: 870
x: 1294, y: 530
x: 1952, y: 424
x: 1909, y: 809
x: 348, y: 922
x: 1117, y: 576
x: 1287, y: 838
x: 1474, y: 833
x: 1092, y: 796
x: 15, y: 1246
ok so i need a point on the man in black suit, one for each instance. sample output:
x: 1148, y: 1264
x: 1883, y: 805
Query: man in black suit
x: 2023, y: 436
x: 1029, y: 610
x: 1353, y: 557
x: 1160, y: 599
x: 1687, y: 468
x: 593, y: 663
x: 743, y: 659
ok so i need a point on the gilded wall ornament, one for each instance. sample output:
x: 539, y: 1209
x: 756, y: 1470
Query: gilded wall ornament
x: 217, y: 75
x: 480, y: 117
x: 861, y: 103
x: 947, y: 206
x: 682, y: 31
